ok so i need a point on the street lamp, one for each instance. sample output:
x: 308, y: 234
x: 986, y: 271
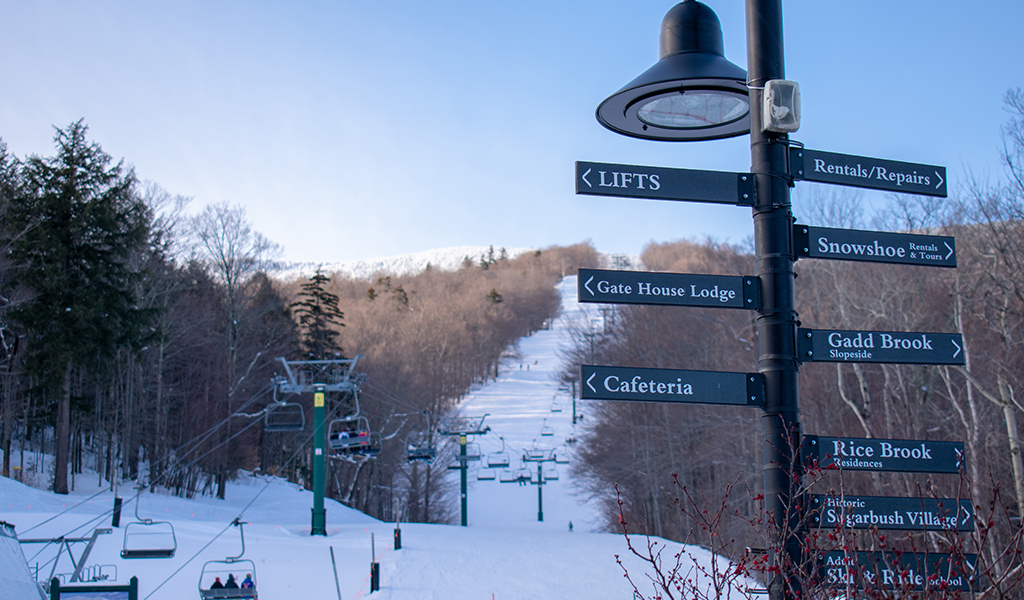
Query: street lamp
x: 692, y: 93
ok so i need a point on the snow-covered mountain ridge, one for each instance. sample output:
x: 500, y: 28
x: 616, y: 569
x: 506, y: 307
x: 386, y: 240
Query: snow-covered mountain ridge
x: 447, y: 259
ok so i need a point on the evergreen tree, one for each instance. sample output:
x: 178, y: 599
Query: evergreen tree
x: 83, y: 223
x: 318, y: 312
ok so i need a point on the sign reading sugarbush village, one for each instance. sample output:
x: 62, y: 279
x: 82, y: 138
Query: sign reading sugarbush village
x: 877, y: 570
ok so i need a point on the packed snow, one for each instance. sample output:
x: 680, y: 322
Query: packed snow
x: 504, y: 553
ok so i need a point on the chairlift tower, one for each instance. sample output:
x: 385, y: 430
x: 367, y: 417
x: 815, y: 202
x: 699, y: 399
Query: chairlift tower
x: 464, y: 427
x: 540, y: 457
x: 319, y: 377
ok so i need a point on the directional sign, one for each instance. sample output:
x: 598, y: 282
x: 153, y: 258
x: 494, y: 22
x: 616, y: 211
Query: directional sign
x: 658, y: 183
x: 863, y: 454
x: 670, y: 385
x: 874, y: 246
x: 898, y: 570
x: 895, y: 347
x: 882, y: 512
x: 864, y: 172
x: 670, y: 289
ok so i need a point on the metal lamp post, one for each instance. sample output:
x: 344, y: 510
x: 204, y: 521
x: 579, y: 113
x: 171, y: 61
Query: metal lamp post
x: 693, y: 93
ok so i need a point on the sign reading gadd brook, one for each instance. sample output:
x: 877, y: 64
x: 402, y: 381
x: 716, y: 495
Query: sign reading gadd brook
x: 894, y: 347
x: 668, y: 289
x: 671, y: 385
x: 864, y: 454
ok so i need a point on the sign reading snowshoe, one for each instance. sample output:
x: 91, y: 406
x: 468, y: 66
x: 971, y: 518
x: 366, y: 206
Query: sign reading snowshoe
x: 670, y: 289
x: 864, y: 172
x: 882, y: 512
x: 874, y: 246
x: 864, y: 454
x: 904, y: 570
x: 660, y: 183
x: 670, y: 385
x: 894, y: 347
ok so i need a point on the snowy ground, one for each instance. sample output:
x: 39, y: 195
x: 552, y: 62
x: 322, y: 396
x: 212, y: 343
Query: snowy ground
x: 519, y: 404
x: 505, y: 553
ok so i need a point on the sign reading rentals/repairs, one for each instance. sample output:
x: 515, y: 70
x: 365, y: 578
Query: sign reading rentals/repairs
x: 865, y: 172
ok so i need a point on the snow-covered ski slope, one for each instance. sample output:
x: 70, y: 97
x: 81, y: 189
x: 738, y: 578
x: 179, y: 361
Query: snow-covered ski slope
x: 519, y: 406
x: 505, y: 553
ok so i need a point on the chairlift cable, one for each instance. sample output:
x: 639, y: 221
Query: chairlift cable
x: 294, y: 455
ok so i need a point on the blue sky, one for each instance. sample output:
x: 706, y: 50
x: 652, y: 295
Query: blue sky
x: 353, y: 130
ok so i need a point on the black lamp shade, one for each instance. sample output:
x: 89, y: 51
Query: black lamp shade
x: 692, y: 93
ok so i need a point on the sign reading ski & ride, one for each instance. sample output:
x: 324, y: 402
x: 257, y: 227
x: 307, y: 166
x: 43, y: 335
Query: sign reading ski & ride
x: 870, y: 454
x: 915, y: 571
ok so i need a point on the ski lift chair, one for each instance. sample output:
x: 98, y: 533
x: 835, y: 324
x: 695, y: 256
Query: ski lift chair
x: 546, y: 430
x: 556, y: 407
x: 374, y: 447
x: 473, y: 451
x: 284, y: 416
x: 499, y: 459
x: 349, y: 434
x: 550, y: 474
x: 508, y: 476
x: 232, y: 565
x: 146, y: 538
x: 486, y: 474
x: 419, y: 448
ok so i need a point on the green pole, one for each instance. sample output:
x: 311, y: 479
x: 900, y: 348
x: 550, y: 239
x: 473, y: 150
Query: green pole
x: 463, y: 467
x: 540, y: 493
x: 319, y: 463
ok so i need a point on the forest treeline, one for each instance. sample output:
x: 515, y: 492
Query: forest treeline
x: 140, y: 342
x: 633, y: 449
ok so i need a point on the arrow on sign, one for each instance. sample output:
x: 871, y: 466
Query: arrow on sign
x: 591, y: 378
x: 941, y: 180
x: 967, y: 515
x: 950, y: 248
x: 587, y: 285
x: 585, y: 180
x: 957, y: 353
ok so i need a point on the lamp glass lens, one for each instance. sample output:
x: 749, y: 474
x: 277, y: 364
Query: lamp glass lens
x: 694, y: 109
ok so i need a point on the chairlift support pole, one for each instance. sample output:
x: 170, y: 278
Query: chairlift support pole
x: 319, y: 377
x: 540, y: 493
x: 463, y: 470
x: 464, y: 427
x: 319, y: 526
x: 540, y: 459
